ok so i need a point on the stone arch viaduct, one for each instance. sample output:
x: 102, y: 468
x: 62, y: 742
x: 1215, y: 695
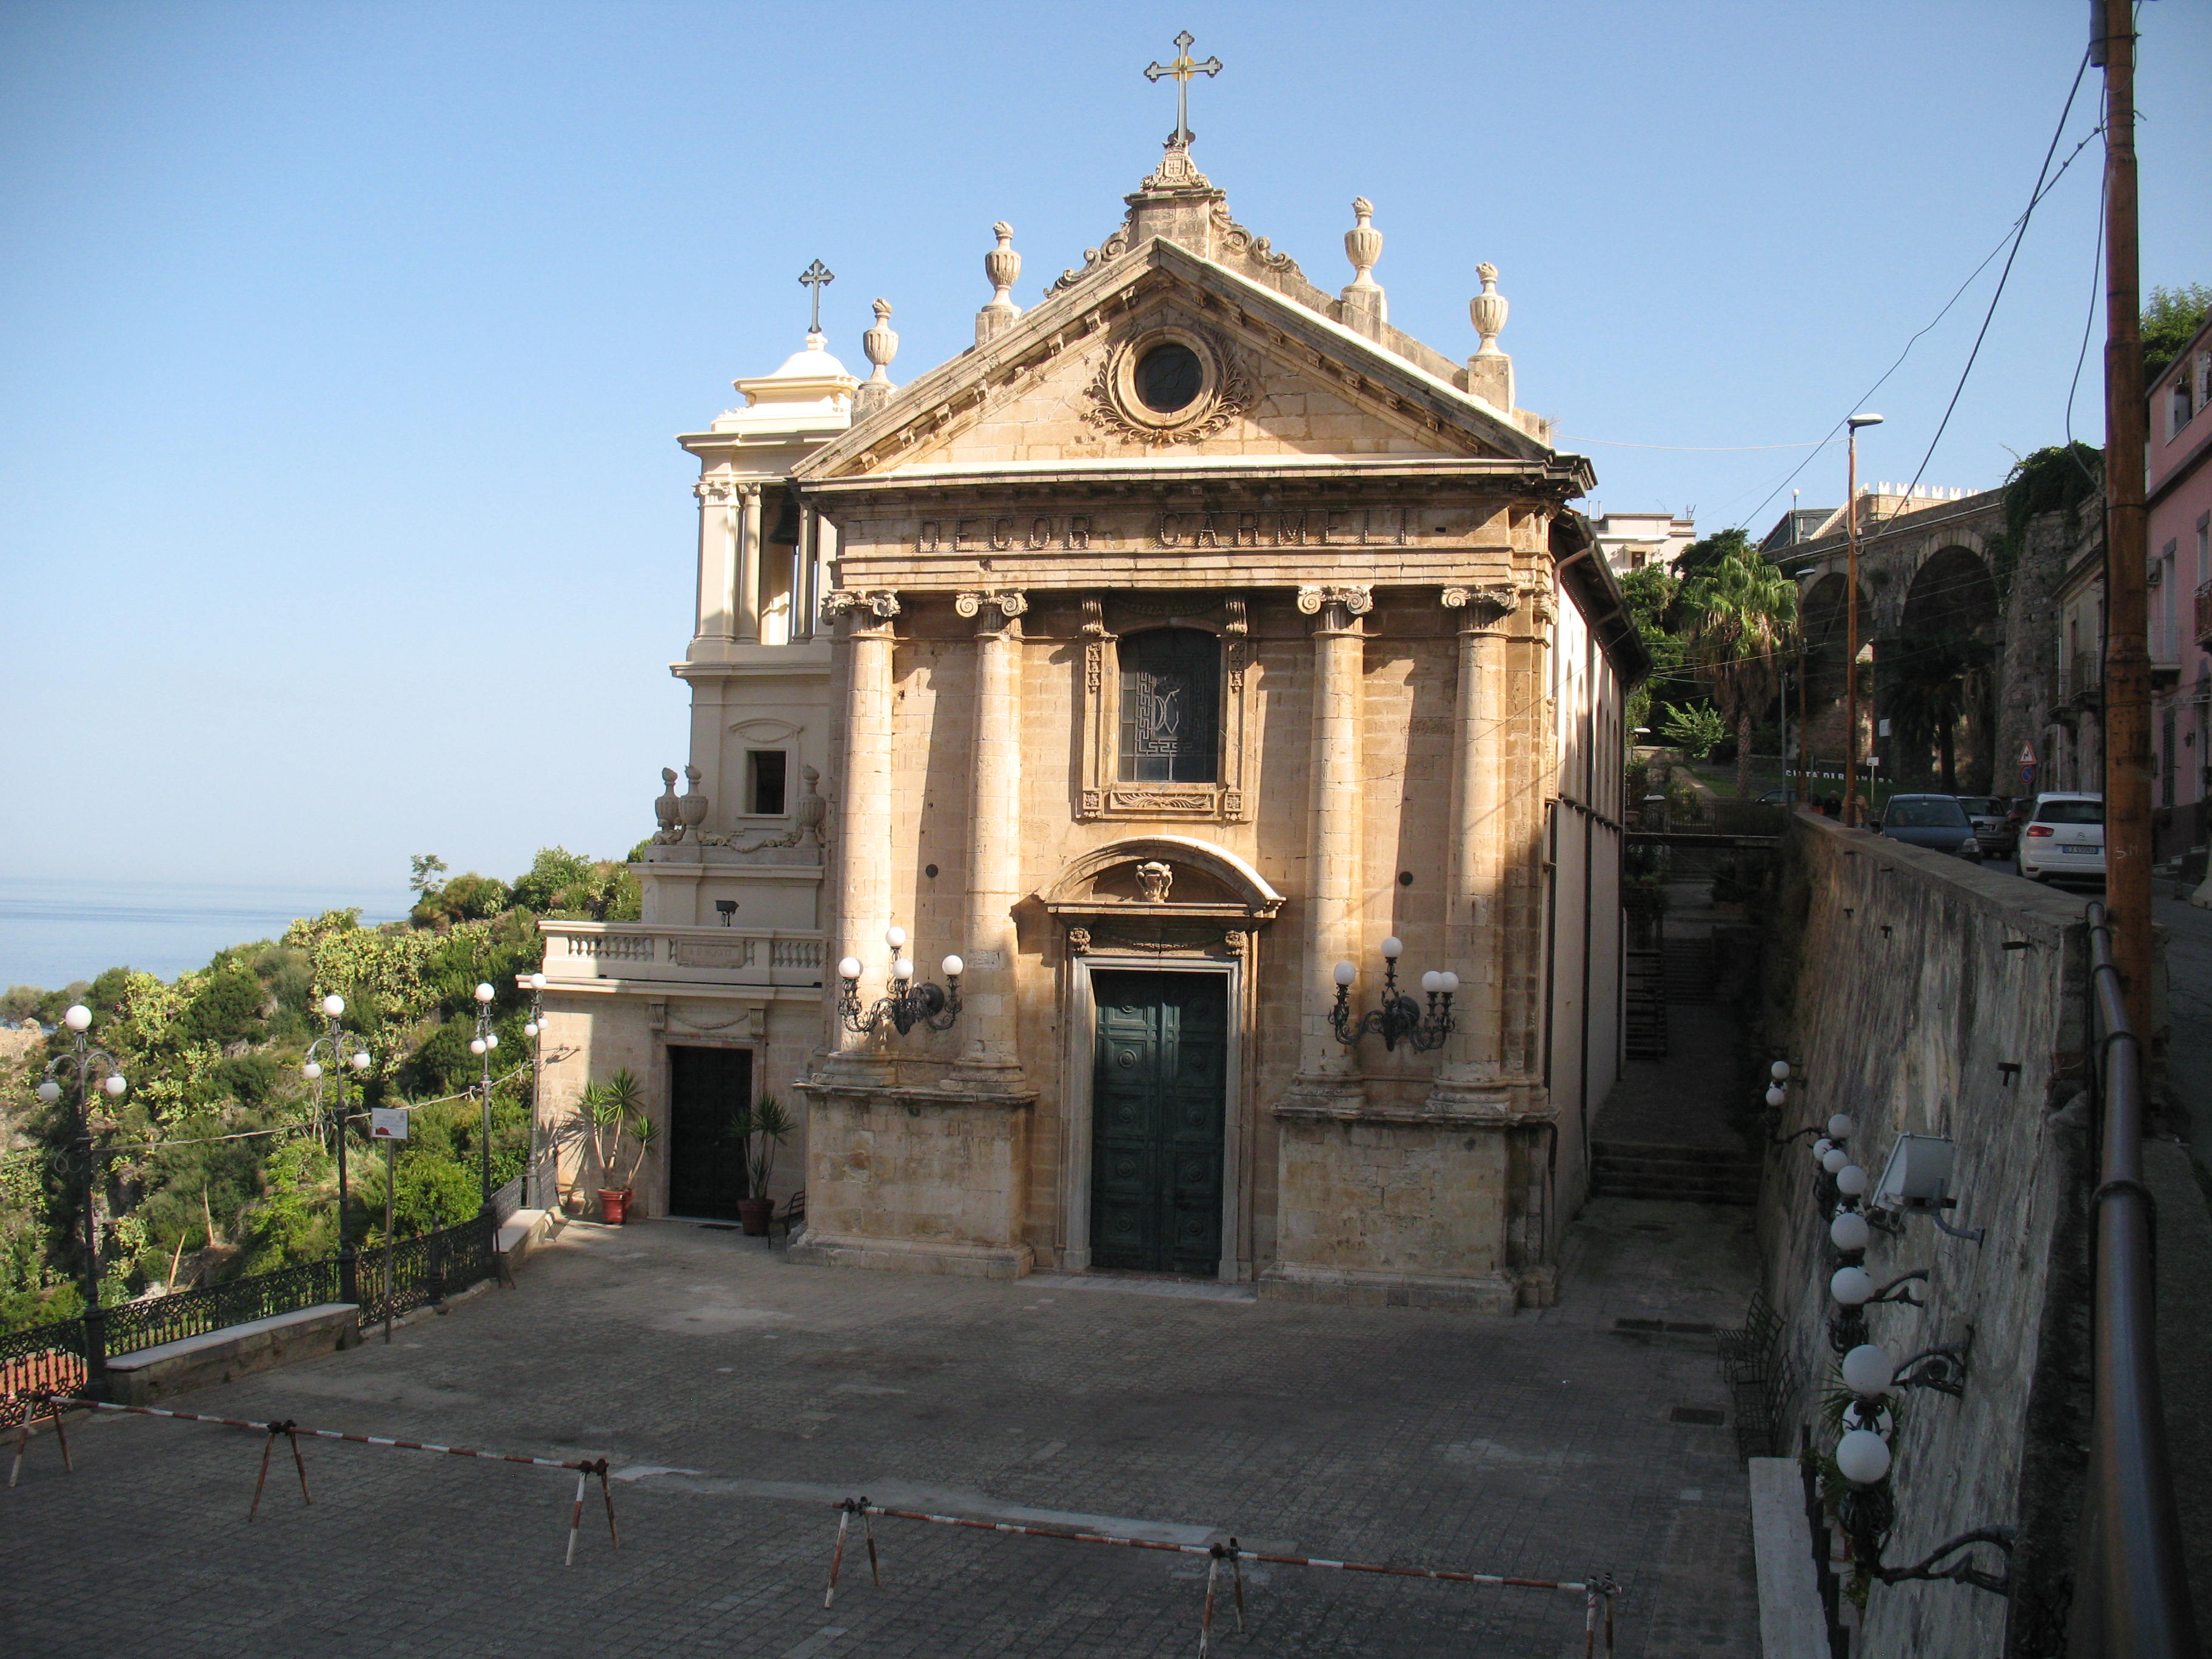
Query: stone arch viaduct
x: 1929, y: 609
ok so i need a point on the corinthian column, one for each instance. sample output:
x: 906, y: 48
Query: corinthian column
x: 1474, y: 877
x: 995, y: 814
x: 1333, y: 865
x: 861, y: 860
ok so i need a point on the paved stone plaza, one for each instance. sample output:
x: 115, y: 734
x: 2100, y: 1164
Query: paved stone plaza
x: 738, y: 1395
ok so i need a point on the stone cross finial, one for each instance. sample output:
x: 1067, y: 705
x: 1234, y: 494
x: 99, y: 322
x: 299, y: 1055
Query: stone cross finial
x: 1181, y: 67
x: 814, y: 278
x: 1004, y: 267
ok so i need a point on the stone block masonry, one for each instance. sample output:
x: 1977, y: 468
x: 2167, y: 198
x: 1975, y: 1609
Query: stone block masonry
x: 1924, y: 995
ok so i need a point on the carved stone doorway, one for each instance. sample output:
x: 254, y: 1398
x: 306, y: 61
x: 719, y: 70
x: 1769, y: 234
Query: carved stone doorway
x: 1158, y: 1102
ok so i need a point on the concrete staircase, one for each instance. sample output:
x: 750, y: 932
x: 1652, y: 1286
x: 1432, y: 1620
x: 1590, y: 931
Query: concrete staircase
x: 1647, y: 1005
x: 1688, y: 968
x: 1625, y: 1169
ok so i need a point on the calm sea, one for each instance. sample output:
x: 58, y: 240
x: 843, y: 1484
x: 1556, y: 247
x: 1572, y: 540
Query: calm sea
x: 55, y: 933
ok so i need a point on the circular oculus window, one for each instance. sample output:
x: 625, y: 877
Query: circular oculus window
x: 1166, y: 380
x: 1169, y: 377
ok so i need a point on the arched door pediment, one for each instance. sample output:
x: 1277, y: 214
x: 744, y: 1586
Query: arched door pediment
x: 1163, y: 878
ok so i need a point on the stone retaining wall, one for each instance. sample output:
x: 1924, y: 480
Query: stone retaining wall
x: 1904, y: 986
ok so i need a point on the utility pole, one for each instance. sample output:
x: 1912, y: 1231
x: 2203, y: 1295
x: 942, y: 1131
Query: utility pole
x: 1851, y: 813
x: 2127, y: 657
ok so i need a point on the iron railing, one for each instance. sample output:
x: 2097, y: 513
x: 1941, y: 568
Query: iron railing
x: 425, y: 1269
x: 2131, y: 1596
x: 132, y: 1326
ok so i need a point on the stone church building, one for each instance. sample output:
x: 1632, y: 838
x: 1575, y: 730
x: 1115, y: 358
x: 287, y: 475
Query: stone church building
x: 1195, y: 633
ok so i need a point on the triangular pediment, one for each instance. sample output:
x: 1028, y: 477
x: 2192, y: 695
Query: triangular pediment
x: 1067, y: 385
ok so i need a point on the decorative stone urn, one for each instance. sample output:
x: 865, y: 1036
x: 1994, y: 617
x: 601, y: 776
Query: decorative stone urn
x: 1363, y: 244
x: 810, y: 808
x: 1004, y: 267
x: 691, y: 805
x: 1153, y: 880
x: 1487, y: 309
x: 881, y: 343
x: 667, y: 809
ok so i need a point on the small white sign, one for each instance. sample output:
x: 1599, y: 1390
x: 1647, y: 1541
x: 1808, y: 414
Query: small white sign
x: 1884, y: 732
x: 387, y: 1123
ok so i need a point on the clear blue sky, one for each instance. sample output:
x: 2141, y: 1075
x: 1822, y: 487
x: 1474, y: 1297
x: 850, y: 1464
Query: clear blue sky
x: 342, y: 346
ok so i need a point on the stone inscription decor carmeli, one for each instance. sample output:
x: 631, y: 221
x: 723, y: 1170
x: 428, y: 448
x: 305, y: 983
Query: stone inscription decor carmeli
x: 1081, y: 532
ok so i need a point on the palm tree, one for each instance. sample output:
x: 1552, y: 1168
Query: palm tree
x: 1742, y: 613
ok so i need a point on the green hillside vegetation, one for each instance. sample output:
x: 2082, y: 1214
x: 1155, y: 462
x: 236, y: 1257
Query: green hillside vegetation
x: 224, y: 1163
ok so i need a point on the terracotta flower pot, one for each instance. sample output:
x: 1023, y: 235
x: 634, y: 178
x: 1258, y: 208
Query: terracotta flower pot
x: 614, y: 1207
x: 753, y: 1213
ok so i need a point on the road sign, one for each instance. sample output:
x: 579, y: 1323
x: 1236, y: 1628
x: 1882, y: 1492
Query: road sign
x: 2028, y: 753
x: 387, y: 1123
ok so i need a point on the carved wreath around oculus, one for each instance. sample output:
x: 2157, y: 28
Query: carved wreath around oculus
x: 1227, y: 391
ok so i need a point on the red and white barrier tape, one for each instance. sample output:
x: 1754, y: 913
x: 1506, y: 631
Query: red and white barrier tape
x: 584, y: 1468
x: 1599, y: 1589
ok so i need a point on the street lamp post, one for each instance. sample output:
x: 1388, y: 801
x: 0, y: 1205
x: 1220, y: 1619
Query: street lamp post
x: 79, y: 1062
x: 1852, y: 814
x: 482, y: 1044
x: 534, y: 1029
x: 345, y: 1052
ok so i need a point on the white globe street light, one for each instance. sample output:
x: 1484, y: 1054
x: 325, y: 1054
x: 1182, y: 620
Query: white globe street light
x: 1840, y: 1126
x: 1779, y: 1071
x: 1853, y: 1287
x: 1869, y: 1370
x: 1862, y: 1457
x: 1852, y: 1180
x: 78, y: 1019
x: 1850, y: 1233
x: 334, y: 1004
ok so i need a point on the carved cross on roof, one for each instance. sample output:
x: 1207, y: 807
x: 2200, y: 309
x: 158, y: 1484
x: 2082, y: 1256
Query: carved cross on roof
x: 1182, y: 69
x: 815, y: 276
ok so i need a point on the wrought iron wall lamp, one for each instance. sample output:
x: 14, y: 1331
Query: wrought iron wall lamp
x: 911, y: 1003
x: 1400, y: 1018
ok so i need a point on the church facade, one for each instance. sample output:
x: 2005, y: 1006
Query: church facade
x: 1155, y: 798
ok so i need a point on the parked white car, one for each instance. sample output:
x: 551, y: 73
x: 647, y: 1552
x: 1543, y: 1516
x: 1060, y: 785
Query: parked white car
x: 2063, y: 836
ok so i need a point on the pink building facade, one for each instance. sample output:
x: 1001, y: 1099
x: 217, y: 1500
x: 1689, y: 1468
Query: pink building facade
x: 2178, y: 482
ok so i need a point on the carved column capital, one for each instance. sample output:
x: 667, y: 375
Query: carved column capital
x: 878, y: 603
x: 1485, y: 606
x: 1009, y: 603
x: 715, y: 490
x: 1336, y: 605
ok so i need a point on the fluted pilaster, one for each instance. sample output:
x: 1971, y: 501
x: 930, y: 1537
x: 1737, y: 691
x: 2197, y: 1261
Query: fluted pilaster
x: 988, y: 1049
x: 1333, y: 863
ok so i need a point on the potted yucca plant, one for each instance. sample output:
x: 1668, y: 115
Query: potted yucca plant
x: 761, y: 1128
x: 609, y: 1107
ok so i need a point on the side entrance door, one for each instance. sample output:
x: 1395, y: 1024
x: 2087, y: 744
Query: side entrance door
x: 1156, y: 1112
x: 706, y: 1164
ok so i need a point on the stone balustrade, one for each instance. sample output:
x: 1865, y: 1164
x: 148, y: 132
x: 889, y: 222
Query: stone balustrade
x: 582, y: 952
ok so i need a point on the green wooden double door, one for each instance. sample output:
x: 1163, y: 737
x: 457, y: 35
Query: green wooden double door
x: 1158, y: 1102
